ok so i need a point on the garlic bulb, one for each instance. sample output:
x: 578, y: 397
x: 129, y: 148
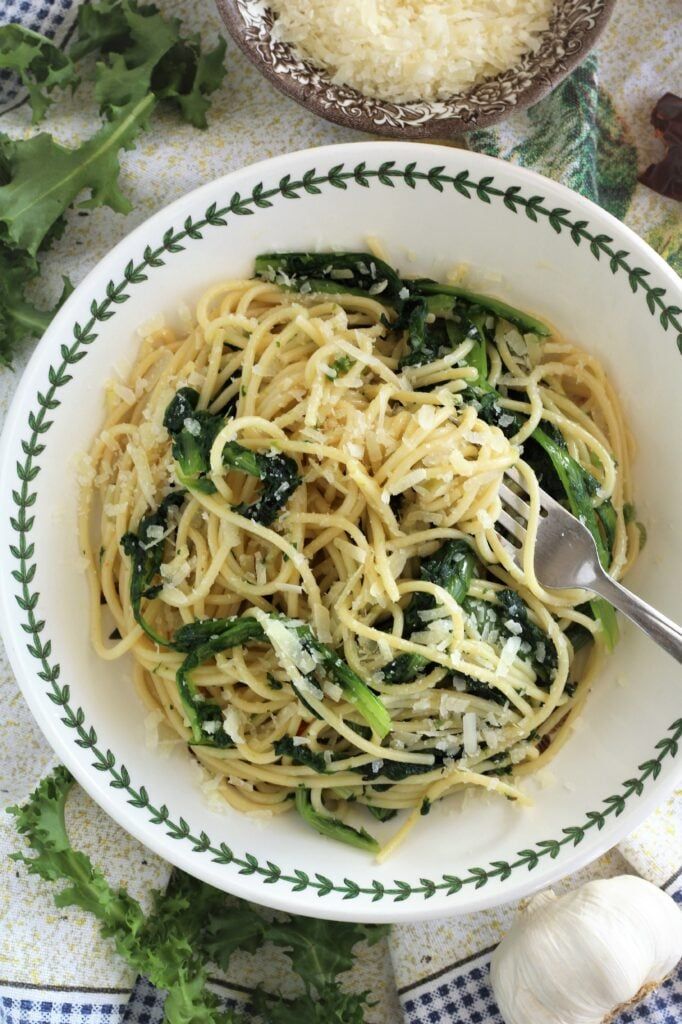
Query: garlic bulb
x: 579, y: 958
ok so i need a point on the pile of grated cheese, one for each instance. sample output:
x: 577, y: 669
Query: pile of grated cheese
x: 406, y: 50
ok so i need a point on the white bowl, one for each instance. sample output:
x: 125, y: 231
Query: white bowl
x: 535, y: 243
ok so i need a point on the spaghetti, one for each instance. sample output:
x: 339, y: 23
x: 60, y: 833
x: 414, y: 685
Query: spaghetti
x: 289, y: 517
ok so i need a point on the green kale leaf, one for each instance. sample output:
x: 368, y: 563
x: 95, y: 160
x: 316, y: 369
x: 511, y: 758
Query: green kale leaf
x: 40, y: 65
x: 144, y: 59
x: 43, y: 178
x: 192, y: 925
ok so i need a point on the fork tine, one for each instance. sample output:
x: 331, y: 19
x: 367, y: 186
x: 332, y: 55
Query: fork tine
x: 512, y: 499
x: 511, y: 549
x: 511, y: 525
x: 514, y: 475
x: 548, y: 503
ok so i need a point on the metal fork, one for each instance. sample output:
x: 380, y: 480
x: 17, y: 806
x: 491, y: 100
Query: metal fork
x: 566, y: 557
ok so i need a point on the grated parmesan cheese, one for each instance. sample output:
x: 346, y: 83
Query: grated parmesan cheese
x: 491, y: 738
x: 296, y: 661
x: 174, y: 573
x: 233, y: 724
x: 332, y: 690
x: 85, y: 471
x: 192, y: 426
x: 432, y: 614
x: 469, y: 734
x: 151, y: 729
x: 507, y: 655
x: 485, y: 519
x: 405, y: 50
x: 523, y: 752
x: 123, y: 392
x: 450, y: 704
x: 151, y: 326
x: 144, y: 475
x: 438, y: 634
x: 111, y: 509
x: 158, y: 737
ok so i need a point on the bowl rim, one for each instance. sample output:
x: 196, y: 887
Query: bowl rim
x: 539, y: 85
x: 93, y: 781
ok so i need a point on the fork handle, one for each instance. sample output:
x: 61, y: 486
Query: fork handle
x: 664, y: 631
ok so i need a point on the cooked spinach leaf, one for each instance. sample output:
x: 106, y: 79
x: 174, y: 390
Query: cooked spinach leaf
x: 145, y: 549
x: 563, y: 478
x: 382, y: 813
x: 352, y: 272
x: 452, y: 567
x: 332, y: 827
x: 516, y: 621
x: 340, y: 672
x: 396, y: 771
x: 300, y: 753
x: 495, y: 307
x: 194, y: 432
x: 203, y: 639
x: 579, y: 490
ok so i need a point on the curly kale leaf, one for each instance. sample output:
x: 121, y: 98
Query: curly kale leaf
x: 165, y: 946
x: 331, y: 1005
x: 191, y: 925
x: 145, y: 65
x: 43, y: 178
x: 319, y: 952
x: 40, y: 65
x: 145, y: 52
x: 19, y: 317
x: 144, y: 59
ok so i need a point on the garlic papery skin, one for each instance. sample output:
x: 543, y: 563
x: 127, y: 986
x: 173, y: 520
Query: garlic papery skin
x: 578, y: 958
